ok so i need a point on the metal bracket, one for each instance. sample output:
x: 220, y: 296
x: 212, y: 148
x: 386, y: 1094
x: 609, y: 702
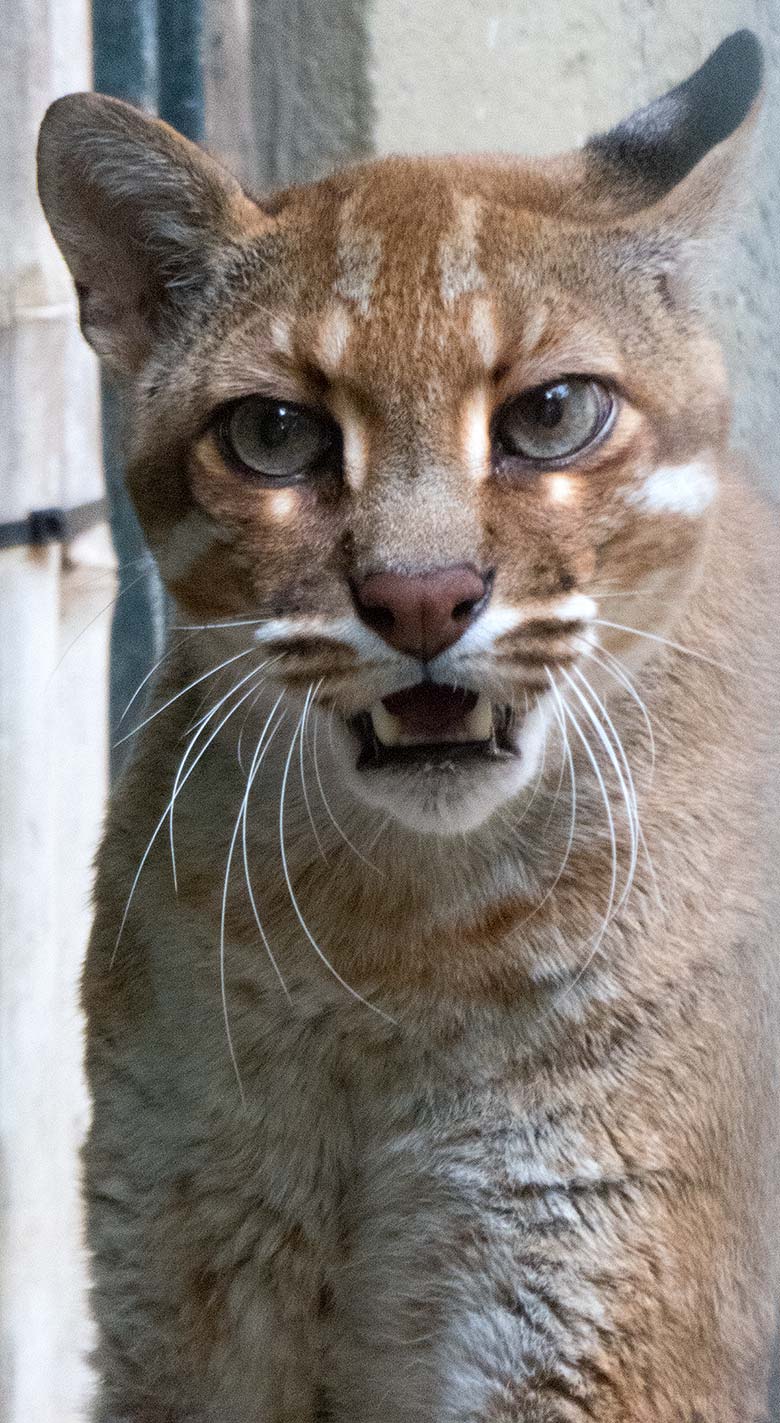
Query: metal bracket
x: 49, y: 526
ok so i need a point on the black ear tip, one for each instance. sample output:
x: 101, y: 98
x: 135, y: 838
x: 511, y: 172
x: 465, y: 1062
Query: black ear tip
x: 659, y: 145
x: 743, y: 52
x: 724, y: 90
x: 737, y: 65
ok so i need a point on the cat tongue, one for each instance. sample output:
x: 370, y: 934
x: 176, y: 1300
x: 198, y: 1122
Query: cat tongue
x: 430, y: 710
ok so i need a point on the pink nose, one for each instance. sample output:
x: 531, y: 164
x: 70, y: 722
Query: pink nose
x: 422, y: 613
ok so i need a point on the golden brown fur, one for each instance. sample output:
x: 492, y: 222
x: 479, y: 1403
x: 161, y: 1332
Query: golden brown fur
x: 423, y: 1110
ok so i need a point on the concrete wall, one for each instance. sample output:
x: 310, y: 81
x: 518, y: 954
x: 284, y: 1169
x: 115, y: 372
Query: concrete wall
x: 537, y: 78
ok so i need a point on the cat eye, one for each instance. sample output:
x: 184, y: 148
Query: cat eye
x: 551, y: 423
x: 274, y: 440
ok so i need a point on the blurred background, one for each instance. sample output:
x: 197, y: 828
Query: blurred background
x: 280, y: 90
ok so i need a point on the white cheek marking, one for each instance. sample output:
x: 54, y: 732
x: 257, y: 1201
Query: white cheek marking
x: 497, y: 619
x: 280, y: 504
x: 483, y: 329
x: 346, y: 629
x: 358, y: 258
x: 577, y: 608
x: 686, y: 489
x: 476, y: 436
x: 560, y: 488
x: 333, y: 339
x: 460, y: 272
x: 310, y: 625
x: 500, y: 618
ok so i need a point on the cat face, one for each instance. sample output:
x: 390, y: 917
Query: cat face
x: 423, y: 431
x: 429, y: 458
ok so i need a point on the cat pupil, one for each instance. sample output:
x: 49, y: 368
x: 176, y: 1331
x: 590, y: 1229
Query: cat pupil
x: 275, y: 428
x: 549, y: 410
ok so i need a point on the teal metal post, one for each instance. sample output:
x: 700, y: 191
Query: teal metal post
x: 125, y: 66
x: 180, y: 50
x: 148, y: 54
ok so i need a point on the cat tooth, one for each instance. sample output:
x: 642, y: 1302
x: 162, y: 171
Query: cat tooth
x: 479, y: 722
x: 387, y: 728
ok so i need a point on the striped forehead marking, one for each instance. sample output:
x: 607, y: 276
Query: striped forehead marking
x: 281, y: 335
x: 459, y: 270
x: 535, y: 329
x: 358, y: 258
x: 483, y: 329
x: 332, y: 339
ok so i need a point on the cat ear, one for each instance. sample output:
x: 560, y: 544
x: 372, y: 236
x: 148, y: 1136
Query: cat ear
x: 680, y: 153
x: 137, y: 211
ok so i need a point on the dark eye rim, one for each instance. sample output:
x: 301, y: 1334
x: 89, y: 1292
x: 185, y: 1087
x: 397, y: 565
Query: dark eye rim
x: 220, y: 427
x: 508, y: 459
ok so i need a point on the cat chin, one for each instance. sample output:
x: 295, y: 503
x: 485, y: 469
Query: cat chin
x: 453, y: 799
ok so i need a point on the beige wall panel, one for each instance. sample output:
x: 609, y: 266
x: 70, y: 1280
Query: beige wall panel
x: 52, y: 742
x: 538, y: 78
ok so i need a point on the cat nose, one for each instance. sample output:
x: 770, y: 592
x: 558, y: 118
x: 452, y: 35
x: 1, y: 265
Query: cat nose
x: 422, y: 614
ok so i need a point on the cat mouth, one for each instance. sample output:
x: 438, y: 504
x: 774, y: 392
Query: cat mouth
x: 433, y: 725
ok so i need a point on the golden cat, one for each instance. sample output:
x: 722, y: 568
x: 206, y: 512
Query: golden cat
x: 431, y: 999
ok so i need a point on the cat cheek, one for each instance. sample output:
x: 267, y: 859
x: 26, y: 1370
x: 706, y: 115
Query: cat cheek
x: 190, y: 540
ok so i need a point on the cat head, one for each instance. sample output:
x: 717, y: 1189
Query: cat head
x: 424, y: 430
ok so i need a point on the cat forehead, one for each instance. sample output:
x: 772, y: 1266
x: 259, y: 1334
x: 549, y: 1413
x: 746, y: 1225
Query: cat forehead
x: 407, y: 260
x: 434, y: 222
x: 434, y: 258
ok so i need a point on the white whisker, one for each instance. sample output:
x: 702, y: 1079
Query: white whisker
x: 374, y: 841
x: 599, y: 935
x: 619, y: 762
x: 324, y: 959
x: 666, y: 642
x: 328, y: 810
x: 212, y: 672
x: 630, y: 785
x: 619, y: 673
x: 198, y: 729
x: 144, y: 681
x: 212, y: 627
x: 616, y: 670
x: 558, y: 712
x: 167, y: 653
x: 223, y: 913
x: 243, y: 727
x: 164, y: 815
x: 566, y: 748
x: 257, y: 759
x: 331, y: 716
x: 128, y: 586
x: 613, y: 592
x: 310, y: 695
x: 539, y: 774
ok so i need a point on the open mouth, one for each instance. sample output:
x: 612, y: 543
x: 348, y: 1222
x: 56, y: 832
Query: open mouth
x: 431, y: 724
